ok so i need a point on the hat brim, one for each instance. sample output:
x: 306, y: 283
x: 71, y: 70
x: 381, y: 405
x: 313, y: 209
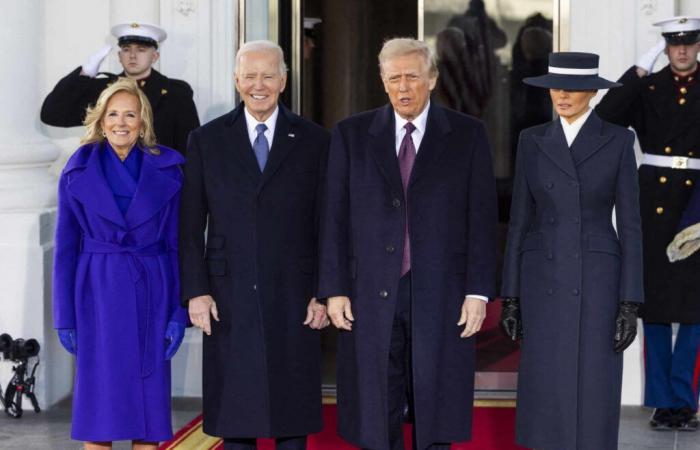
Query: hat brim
x: 133, y: 39
x: 571, y: 82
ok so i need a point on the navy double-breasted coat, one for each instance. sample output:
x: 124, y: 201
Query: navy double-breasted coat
x: 571, y: 268
x: 262, y: 374
x: 452, y: 222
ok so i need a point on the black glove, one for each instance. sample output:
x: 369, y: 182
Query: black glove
x: 511, y: 324
x: 625, y: 325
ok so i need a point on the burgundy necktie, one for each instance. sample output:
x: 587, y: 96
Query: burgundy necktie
x: 407, y: 156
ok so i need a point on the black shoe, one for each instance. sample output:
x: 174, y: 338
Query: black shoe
x: 662, y: 420
x: 686, y: 419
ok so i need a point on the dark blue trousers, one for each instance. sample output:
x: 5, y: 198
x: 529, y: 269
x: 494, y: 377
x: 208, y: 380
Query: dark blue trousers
x: 671, y: 371
x: 286, y: 443
x: 400, y: 394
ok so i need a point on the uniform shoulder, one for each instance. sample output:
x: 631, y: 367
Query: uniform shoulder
x: 180, y: 85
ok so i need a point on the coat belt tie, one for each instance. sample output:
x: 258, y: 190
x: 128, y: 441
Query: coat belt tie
x: 138, y: 271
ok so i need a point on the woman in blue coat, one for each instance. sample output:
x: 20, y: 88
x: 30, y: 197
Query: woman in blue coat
x: 572, y: 280
x: 115, y: 273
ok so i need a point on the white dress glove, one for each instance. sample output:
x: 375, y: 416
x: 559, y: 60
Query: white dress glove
x: 92, y: 65
x: 647, y: 60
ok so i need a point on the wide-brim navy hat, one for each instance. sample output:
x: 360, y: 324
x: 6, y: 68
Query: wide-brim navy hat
x: 572, y: 71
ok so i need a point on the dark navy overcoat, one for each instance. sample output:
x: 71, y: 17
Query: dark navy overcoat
x: 262, y: 374
x: 570, y: 269
x: 452, y: 221
x: 115, y: 281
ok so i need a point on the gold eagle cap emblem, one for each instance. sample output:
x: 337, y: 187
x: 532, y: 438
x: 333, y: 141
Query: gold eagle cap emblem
x: 683, y: 20
x: 135, y: 25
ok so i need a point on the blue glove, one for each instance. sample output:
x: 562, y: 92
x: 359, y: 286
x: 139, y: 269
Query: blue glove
x: 69, y: 339
x: 174, y: 334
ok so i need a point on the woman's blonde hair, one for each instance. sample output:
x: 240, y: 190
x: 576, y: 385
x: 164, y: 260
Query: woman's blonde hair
x: 95, y: 114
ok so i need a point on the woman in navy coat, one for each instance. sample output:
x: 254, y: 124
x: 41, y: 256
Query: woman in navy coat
x: 572, y: 281
x: 115, y: 273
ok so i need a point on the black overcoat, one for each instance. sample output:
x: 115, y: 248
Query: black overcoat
x: 452, y: 209
x: 261, y: 365
x: 174, y: 112
x: 570, y: 269
x: 651, y: 106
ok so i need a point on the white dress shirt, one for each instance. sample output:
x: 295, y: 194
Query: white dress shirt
x: 571, y: 129
x: 252, y: 122
x: 419, y: 122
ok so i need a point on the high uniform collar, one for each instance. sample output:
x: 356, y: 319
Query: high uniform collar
x: 687, y: 79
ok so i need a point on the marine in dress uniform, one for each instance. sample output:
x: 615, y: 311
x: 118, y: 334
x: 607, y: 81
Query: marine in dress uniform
x: 175, y: 114
x: 664, y: 109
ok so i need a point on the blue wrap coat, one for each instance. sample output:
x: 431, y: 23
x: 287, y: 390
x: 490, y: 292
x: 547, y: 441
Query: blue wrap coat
x: 570, y: 269
x: 116, y: 282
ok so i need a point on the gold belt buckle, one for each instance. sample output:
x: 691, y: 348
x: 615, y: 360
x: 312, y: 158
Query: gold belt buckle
x: 679, y: 162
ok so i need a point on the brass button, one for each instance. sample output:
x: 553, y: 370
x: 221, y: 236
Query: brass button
x: 663, y: 180
x: 691, y: 153
x: 681, y: 101
x: 667, y: 150
x: 659, y: 210
x: 684, y: 90
x: 690, y: 78
x: 676, y: 78
x: 688, y: 182
x: 652, y: 87
x: 142, y: 83
x: 383, y: 294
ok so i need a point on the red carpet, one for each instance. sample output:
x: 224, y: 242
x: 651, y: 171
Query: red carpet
x: 493, y: 429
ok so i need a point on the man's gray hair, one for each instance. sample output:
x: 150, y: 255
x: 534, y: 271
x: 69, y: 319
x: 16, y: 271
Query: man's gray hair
x: 261, y: 46
x: 403, y: 46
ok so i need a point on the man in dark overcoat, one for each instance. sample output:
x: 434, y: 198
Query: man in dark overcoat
x: 407, y: 258
x: 253, y: 179
x: 663, y: 108
x: 174, y: 112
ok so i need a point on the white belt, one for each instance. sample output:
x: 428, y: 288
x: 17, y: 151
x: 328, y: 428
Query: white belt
x: 674, y: 162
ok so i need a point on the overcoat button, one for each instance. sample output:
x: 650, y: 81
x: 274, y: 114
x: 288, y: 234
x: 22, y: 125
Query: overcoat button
x: 577, y: 220
x: 550, y: 291
x: 383, y: 293
x: 390, y: 249
x: 551, y: 220
x: 691, y: 153
x: 683, y: 90
x: 659, y: 210
x: 575, y: 292
x: 396, y: 203
x: 688, y: 182
x: 550, y: 256
x: 550, y: 185
x: 667, y: 150
x: 255, y: 287
x: 681, y: 101
x: 663, y: 179
x: 576, y: 255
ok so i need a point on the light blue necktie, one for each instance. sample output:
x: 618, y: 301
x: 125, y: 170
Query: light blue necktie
x: 260, y: 146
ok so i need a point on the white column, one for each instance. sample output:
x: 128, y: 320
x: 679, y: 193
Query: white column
x: 27, y: 201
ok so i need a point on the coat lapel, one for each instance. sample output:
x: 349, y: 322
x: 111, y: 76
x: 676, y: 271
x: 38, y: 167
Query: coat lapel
x: 589, y: 139
x: 240, y: 144
x: 286, y: 137
x: 553, y: 145
x: 432, y: 144
x: 91, y: 190
x: 153, y: 191
x: 382, y: 143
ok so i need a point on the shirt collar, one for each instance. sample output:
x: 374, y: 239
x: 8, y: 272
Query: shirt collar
x: 419, y: 122
x: 252, y: 122
x: 578, y: 123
